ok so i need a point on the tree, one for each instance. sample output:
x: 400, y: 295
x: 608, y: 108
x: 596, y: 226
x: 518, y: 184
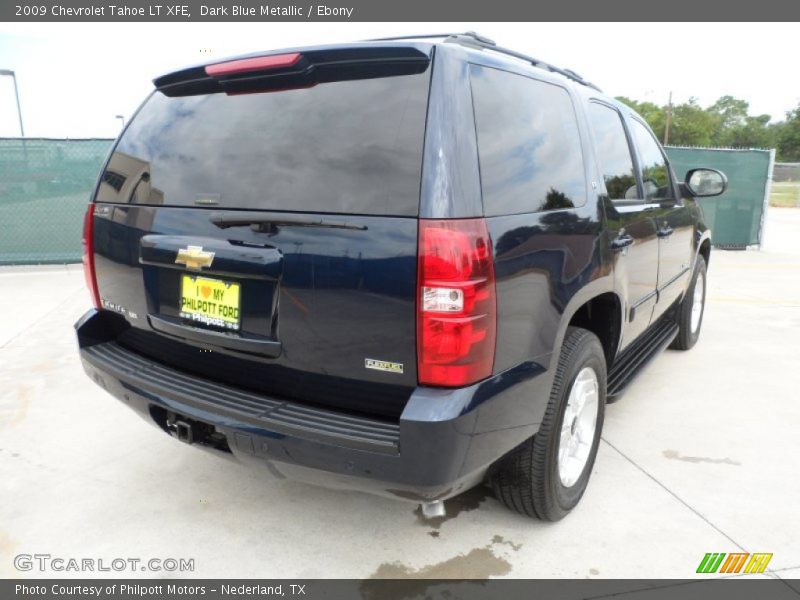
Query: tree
x: 736, y: 128
x: 788, y: 137
x: 692, y: 125
x: 726, y: 123
x: 732, y: 111
x: 753, y: 133
x: 652, y: 113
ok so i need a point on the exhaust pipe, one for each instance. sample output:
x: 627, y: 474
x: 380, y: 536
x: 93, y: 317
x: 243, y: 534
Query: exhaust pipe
x: 432, y: 510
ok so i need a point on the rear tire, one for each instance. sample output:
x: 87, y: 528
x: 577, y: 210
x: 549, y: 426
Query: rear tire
x: 543, y: 477
x: 690, y: 313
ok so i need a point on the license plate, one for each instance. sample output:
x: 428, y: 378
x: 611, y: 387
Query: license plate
x: 210, y: 301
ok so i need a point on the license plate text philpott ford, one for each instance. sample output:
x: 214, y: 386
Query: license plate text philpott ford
x: 210, y: 301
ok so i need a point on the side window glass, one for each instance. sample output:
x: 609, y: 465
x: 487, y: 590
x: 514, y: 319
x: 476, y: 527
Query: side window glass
x: 655, y: 174
x: 529, y: 146
x: 614, y: 154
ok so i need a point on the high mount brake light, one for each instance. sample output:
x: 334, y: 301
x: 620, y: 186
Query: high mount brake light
x: 252, y: 65
x: 88, y: 256
x: 456, y: 303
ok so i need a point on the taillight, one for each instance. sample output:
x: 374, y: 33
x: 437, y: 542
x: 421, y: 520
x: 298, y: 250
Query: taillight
x: 88, y: 255
x: 456, y: 306
x: 251, y: 65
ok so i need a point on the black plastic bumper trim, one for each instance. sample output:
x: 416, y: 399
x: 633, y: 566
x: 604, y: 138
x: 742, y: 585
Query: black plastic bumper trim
x: 268, y: 413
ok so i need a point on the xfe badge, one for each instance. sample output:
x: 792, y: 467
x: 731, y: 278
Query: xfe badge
x: 383, y: 365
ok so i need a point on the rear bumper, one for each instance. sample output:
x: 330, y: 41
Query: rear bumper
x: 442, y: 445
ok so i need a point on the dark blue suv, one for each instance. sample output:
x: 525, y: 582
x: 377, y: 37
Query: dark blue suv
x: 402, y: 266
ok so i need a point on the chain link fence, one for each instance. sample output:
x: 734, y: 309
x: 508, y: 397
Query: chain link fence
x: 45, y: 185
x: 786, y: 186
x: 785, y: 172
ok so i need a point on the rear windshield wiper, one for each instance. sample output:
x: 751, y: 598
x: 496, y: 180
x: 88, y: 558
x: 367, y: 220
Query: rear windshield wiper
x: 267, y: 223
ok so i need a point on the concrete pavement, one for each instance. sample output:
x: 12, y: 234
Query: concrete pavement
x: 701, y: 455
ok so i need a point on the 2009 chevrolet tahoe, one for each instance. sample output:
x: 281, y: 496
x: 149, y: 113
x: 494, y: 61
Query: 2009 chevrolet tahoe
x: 403, y: 266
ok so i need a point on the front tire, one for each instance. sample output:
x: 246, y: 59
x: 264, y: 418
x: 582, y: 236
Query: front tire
x: 546, y: 476
x: 692, y: 308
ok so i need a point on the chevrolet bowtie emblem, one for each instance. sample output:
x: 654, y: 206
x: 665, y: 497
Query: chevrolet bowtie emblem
x: 194, y: 257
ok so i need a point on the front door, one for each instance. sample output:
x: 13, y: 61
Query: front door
x: 674, y: 222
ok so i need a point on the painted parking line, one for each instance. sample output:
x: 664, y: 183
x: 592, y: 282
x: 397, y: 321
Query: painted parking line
x: 755, y: 301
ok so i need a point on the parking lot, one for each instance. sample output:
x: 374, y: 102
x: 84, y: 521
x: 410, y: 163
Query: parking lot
x: 699, y: 456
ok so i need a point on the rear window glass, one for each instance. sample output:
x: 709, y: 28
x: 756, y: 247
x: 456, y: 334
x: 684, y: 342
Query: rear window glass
x: 528, y: 144
x: 341, y: 147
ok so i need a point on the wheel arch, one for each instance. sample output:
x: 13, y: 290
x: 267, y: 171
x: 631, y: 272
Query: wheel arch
x: 702, y: 239
x: 599, y: 311
x: 705, y: 249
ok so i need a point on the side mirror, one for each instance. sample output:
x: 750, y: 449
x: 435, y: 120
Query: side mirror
x: 704, y: 183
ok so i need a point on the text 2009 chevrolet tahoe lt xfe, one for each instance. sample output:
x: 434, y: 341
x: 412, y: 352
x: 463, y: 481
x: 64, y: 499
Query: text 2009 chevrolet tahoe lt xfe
x: 402, y: 266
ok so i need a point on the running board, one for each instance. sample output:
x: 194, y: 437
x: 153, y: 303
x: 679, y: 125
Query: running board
x: 633, y: 359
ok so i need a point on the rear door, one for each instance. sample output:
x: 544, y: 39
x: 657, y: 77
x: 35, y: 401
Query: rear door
x: 267, y: 238
x: 630, y: 221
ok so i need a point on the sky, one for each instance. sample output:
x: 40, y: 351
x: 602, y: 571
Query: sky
x: 74, y: 78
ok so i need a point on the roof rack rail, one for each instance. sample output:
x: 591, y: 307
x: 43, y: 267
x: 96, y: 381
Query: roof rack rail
x: 425, y: 36
x: 474, y: 40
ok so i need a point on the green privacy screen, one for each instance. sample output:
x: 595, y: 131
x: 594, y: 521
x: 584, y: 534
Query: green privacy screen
x: 734, y: 218
x: 45, y: 185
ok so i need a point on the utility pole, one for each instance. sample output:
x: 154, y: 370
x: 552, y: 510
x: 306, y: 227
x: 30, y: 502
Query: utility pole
x: 667, y: 120
x: 10, y: 73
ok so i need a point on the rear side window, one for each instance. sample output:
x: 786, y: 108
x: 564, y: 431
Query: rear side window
x: 654, y: 166
x: 528, y: 144
x: 613, y: 152
x: 340, y: 147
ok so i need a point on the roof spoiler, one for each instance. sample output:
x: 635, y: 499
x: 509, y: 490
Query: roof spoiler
x: 287, y: 70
